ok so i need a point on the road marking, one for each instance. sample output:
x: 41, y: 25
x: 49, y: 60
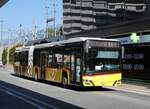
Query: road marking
x: 2, y: 90
x: 23, y: 97
x: 27, y: 101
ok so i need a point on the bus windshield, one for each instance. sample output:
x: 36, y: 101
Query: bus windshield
x: 101, y: 60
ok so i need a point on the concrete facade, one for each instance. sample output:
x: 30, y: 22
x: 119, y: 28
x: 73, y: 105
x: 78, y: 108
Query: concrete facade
x: 82, y: 15
x: 116, y: 30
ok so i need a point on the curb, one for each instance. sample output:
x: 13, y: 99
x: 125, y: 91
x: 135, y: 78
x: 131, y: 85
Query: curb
x: 7, y: 70
x: 137, y: 82
x: 141, y: 88
x: 136, y: 91
x: 131, y: 80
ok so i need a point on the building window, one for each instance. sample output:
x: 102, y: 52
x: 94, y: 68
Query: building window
x: 66, y: 1
x: 73, y: 1
x: 139, y: 7
x: 112, y: 6
x: 105, y: 5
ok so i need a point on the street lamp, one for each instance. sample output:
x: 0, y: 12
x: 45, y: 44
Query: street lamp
x: 1, y: 21
x: 46, y: 35
x: 50, y: 20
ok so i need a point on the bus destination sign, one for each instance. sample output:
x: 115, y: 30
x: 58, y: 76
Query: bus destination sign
x: 108, y: 44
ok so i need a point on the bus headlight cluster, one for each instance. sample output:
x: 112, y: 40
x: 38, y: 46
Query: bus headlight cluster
x: 117, y: 83
x: 86, y: 80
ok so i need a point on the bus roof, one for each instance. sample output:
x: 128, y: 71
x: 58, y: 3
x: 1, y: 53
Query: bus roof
x: 90, y: 38
x: 71, y: 40
x: 24, y: 48
x: 59, y: 43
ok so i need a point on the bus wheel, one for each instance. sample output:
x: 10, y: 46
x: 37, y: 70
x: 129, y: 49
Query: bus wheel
x: 64, y: 80
x: 36, y: 76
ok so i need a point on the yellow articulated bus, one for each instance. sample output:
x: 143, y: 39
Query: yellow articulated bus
x: 77, y: 61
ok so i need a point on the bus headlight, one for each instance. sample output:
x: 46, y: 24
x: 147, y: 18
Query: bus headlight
x: 117, y: 83
x: 88, y: 82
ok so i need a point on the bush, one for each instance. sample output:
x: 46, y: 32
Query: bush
x: 11, y: 53
x: 4, y: 56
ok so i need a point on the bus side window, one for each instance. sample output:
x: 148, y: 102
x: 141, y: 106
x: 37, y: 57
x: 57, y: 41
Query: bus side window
x: 66, y: 60
x: 49, y: 60
x: 36, y: 58
x: 57, y: 60
x: 54, y: 62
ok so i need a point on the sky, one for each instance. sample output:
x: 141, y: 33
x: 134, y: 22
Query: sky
x: 29, y: 12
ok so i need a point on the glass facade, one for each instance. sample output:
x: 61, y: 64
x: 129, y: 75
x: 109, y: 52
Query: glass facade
x: 80, y: 15
x: 136, y: 61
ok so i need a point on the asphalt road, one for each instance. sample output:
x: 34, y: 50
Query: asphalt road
x: 20, y: 93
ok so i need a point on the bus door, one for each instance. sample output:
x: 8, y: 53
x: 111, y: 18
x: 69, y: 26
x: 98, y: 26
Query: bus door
x: 72, y: 65
x: 78, y: 67
x: 43, y: 65
x: 75, y: 67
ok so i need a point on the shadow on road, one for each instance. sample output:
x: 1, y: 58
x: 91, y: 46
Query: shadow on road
x: 86, y: 89
x: 74, y: 88
x: 46, y: 99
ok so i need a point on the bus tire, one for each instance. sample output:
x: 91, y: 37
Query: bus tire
x: 64, y: 80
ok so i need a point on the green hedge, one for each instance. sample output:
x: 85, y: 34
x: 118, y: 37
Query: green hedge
x: 4, y: 56
x: 11, y: 54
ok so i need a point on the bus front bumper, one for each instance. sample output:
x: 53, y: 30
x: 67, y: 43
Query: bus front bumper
x: 102, y: 80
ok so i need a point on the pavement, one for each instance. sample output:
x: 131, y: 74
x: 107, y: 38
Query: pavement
x: 134, y: 86
x: 128, y: 85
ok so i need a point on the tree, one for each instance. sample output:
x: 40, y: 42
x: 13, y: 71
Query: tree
x: 51, y: 32
x: 11, y: 53
x: 4, y: 56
